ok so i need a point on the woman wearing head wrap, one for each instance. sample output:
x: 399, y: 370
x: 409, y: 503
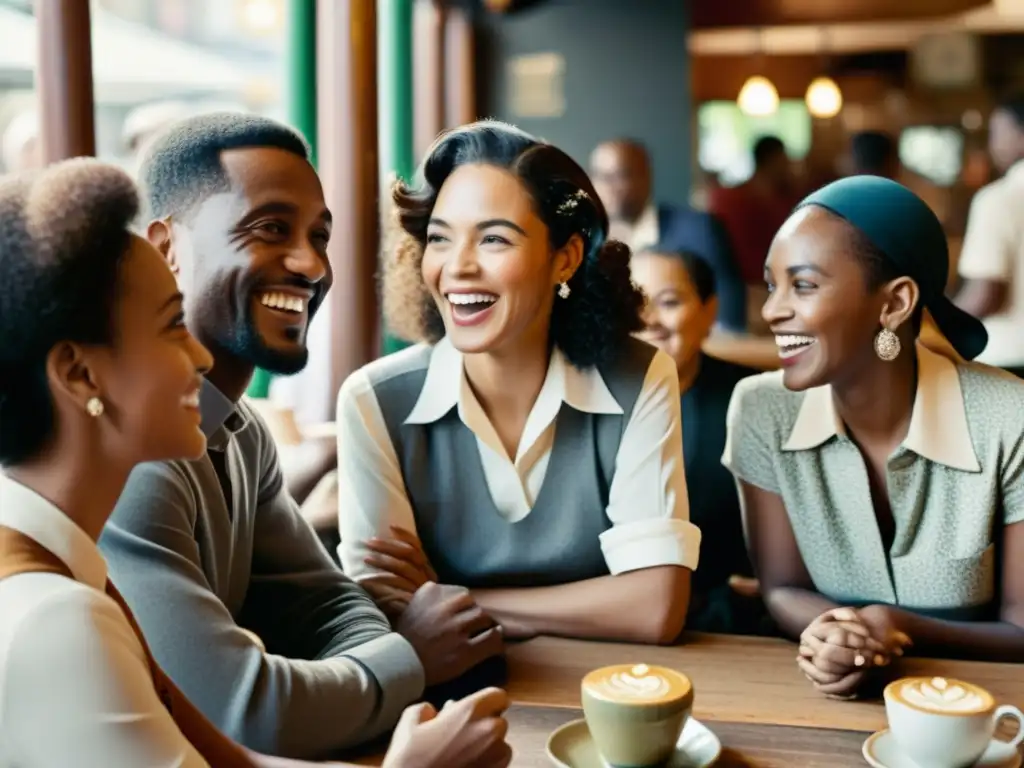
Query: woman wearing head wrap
x: 878, y: 476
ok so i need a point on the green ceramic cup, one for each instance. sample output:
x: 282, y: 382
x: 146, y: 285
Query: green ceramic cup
x: 636, y: 712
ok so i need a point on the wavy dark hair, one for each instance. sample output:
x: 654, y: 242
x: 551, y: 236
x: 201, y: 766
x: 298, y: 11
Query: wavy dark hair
x: 594, y: 323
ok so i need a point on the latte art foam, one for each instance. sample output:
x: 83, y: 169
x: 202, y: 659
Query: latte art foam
x: 636, y: 683
x: 941, y: 695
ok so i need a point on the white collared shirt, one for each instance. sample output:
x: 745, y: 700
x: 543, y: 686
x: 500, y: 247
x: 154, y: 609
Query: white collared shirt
x: 647, y: 502
x: 993, y: 249
x: 644, y: 233
x: 75, y: 685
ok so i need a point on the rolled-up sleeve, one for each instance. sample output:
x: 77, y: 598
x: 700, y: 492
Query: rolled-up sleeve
x: 749, y: 452
x: 647, y: 501
x: 371, y: 492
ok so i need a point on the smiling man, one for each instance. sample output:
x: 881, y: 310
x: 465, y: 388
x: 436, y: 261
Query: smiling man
x: 210, y: 553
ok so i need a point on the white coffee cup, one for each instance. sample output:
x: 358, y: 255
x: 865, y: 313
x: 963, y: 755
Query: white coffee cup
x: 944, y: 723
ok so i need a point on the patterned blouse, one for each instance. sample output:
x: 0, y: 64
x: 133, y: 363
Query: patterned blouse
x: 954, y: 483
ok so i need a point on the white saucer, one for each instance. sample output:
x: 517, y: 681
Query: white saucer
x: 571, y: 747
x: 881, y: 751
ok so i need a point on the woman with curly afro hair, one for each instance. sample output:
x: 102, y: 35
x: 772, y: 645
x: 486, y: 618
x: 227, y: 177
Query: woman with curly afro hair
x: 527, y: 448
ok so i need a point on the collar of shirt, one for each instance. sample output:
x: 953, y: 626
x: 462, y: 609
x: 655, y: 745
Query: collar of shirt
x: 643, y: 233
x: 446, y: 387
x: 27, y: 512
x: 938, y: 423
x: 221, y: 417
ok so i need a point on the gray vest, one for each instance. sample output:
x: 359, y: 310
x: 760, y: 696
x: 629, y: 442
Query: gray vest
x: 466, y: 539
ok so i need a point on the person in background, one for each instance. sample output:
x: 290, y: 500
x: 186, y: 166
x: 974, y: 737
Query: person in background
x: 106, y: 375
x: 242, y: 605
x: 752, y: 213
x: 874, y: 153
x: 21, y: 148
x: 621, y: 173
x: 882, y: 482
x: 991, y: 262
x: 678, y: 316
x: 528, y: 448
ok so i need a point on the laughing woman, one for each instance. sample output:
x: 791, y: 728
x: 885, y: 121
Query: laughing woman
x: 528, y: 449
x: 877, y: 476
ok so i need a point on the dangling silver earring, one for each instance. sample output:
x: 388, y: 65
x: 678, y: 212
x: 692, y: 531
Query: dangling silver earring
x: 564, y: 290
x: 94, y: 407
x: 887, y: 345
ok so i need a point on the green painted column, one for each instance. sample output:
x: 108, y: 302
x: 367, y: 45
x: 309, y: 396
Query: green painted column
x: 300, y: 61
x: 394, y: 78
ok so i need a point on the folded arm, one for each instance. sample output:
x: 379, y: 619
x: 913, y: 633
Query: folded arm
x: 651, y: 548
x: 605, y: 608
x: 341, y: 676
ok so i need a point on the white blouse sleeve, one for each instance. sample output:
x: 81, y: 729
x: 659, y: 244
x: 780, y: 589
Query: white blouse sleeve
x: 371, y: 491
x: 647, y: 501
x: 78, y: 690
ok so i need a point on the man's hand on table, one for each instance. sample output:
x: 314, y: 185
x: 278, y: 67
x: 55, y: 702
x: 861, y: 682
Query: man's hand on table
x: 840, y: 648
x: 450, y: 633
x: 469, y: 733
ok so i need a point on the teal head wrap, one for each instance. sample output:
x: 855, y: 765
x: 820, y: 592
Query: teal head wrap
x: 904, y: 229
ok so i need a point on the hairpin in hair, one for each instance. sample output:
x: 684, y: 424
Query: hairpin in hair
x: 571, y: 202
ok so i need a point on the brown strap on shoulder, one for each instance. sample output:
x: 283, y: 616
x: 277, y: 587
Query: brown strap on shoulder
x: 21, y: 554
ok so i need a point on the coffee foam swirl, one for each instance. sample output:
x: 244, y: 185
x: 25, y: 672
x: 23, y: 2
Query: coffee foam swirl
x: 639, y: 683
x: 941, y: 695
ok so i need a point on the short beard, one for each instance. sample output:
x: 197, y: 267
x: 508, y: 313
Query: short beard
x: 245, y: 343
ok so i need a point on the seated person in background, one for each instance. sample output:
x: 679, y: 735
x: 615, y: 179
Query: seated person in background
x: 874, y: 153
x: 529, y: 448
x: 98, y: 373
x: 877, y: 476
x: 679, y: 314
x: 205, y: 548
x: 621, y: 170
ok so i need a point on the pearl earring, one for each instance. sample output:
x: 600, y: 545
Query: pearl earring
x: 887, y: 345
x: 564, y: 290
x: 94, y: 407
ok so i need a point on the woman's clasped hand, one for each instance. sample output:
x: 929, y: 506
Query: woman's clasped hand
x: 840, y: 648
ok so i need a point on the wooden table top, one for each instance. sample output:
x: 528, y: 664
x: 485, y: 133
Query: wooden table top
x: 743, y: 744
x: 736, y: 679
x: 748, y: 691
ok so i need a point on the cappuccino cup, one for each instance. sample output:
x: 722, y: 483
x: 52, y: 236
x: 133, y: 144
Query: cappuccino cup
x: 636, y: 712
x: 939, y: 722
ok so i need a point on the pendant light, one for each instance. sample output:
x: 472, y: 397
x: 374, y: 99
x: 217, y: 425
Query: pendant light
x: 824, y: 99
x: 758, y: 96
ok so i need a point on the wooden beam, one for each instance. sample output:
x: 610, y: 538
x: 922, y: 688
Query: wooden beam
x: 428, y: 73
x: 64, y: 79
x: 459, y: 68
x: 348, y: 164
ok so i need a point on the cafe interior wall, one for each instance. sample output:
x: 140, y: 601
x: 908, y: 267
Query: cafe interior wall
x: 607, y: 67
